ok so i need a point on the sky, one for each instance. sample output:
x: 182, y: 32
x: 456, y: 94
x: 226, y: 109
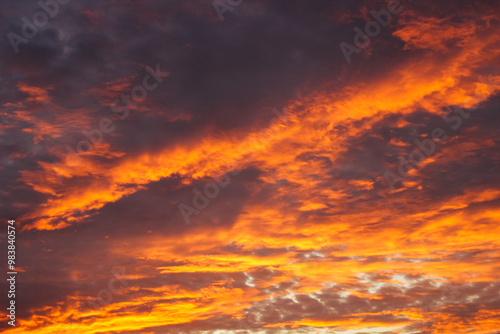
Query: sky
x: 251, y: 166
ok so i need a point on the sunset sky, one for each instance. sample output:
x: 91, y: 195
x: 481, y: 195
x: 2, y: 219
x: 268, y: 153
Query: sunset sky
x: 251, y: 166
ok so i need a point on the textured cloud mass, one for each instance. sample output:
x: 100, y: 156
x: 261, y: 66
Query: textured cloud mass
x: 172, y: 172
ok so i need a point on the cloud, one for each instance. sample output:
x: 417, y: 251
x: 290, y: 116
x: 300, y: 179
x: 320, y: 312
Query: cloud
x: 307, y: 236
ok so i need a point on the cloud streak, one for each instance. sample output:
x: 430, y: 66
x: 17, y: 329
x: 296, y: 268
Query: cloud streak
x: 307, y: 236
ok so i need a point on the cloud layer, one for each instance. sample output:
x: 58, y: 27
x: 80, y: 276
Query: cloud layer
x: 317, y: 199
